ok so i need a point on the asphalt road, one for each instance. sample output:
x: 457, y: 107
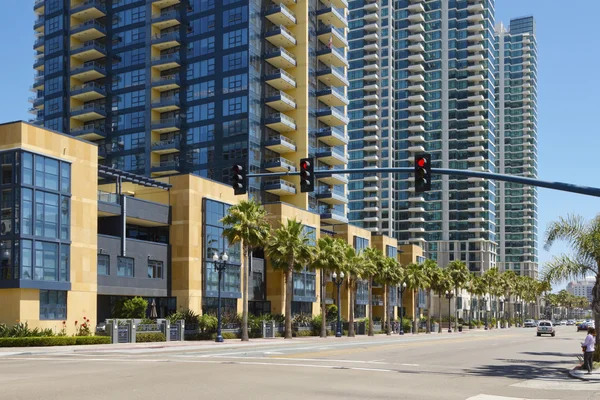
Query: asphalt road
x: 510, y: 364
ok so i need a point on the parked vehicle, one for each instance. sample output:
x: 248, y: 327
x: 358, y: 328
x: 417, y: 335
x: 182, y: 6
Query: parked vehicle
x: 563, y: 322
x: 582, y: 326
x: 530, y: 323
x: 571, y: 322
x: 545, y: 328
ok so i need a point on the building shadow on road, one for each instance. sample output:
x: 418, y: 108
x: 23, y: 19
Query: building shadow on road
x: 550, y: 354
x: 522, y: 369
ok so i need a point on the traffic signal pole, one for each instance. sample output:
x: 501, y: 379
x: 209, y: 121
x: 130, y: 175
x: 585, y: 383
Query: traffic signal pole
x: 564, y: 187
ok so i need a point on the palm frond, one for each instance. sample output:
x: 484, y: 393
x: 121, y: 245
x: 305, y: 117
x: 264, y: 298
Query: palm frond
x: 564, y: 267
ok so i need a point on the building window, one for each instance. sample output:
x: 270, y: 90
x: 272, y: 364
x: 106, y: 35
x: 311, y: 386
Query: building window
x: 125, y: 266
x: 46, y: 214
x: 360, y: 243
x: 103, y: 264
x: 301, y: 308
x: 53, y: 304
x: 391, y: 252
x: 155, y: 269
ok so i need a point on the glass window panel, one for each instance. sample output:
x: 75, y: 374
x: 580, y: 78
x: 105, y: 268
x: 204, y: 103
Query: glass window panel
x: 103, y: 264
x: 51, y: 174
x: 26, y: 259
x: 27, y: 160
x: 65, y: 177
x: 7, y: 169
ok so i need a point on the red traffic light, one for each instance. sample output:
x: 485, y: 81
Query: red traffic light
x: 304, y: 165
x: 421, y: 162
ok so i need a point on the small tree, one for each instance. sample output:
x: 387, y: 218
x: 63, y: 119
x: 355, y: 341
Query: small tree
x: 431, y: 270
x: 440, y: 282
x: 329, y: 257
x: 353, y: 267
x: 373, y: 264
x: 131, y: 308
x: 459, y: 273
x: 415, y: 279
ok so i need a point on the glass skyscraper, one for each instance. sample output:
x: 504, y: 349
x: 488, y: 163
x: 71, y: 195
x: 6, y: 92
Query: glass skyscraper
x: 170, y: 86
x: 516, y: 144
x: 429, y: 68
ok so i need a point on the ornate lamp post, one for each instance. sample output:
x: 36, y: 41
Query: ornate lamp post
x: 449, y: 296
x: 502, y: 312
x: 485, y: 310
x: 220, y: 265
x: 402, y: 288
x: 338, y: 282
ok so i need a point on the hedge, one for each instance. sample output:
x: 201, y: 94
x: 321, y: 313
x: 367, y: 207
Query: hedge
x: 150, y: 337
x: 53, y: 341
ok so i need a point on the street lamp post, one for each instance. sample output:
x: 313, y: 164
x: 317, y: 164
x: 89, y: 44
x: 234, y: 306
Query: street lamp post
x: 485, y: 312
x: 220, y: 265
x: 502, y: 312
x: 338, y: 282
x: 449, y: 296
x: 402, y: 289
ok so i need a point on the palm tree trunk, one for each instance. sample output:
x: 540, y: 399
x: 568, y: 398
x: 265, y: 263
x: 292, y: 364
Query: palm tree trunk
x: 244, y: 269
x: 371, y: 307
x: 429, y: 306
x: 415, y: 326
x: 289, y: 289
x: 596, y: 311
x: 386, y: 311
x: 324, y: 306
x: 351, y: 308
x: 440, y: 312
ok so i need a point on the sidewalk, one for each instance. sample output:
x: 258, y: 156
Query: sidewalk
x: 582, y: 374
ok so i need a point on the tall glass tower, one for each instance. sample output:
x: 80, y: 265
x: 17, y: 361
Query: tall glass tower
x: 516, y: 144
x: 434, y: 94
x: 170, y: 86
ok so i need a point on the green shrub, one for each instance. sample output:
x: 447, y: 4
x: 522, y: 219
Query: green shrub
x: 189, y: 316
x: 207, y: 323
x: 37, y: 341
x: 332, y: 312
x: 80, y: 340
x: 22, y: 329
x: 131, y: 308
x: 150, y: 337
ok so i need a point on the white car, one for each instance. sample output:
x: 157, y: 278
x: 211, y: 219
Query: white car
x: 545, y: 328
x: 571, y: 322
x: 529, y: 323
x: 563, y: 322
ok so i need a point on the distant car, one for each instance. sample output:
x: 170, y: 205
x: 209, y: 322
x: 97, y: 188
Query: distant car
x: 530, y: 323
x: 545, y: 328
x: 579, y: 322
x: 582, y: 326
x: 571, y: 322
x: 563, y: 322
x: 101, y: 327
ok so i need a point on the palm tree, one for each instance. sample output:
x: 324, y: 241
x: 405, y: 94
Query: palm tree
x: 289, y: 250
x: 431, y: 270
x: 329, y: 255
x: 246, y: 223
x: 415, y: 279
x: 459, y: 273
x: 440, y: 282
x: 389, y: 275
x: 491, y: 279
x: 583, y: 237
x: 352, y: 266
x: 478, y: 288
x: 373, y: 264
x: 507, y: 282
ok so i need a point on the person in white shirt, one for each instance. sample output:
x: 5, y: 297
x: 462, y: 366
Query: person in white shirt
x: 588, y: 348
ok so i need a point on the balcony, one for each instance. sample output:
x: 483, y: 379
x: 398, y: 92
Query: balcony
x: 166, y: 167
x: 331, y: 155
x: 38, y: 82
x: 333, y: 76
x: 166, y: 61
x: 165, y: 125
x: 371, y: 77
x: 166, y: 82
x: 475, y: 118
x: 166, y: 19
x: 281, y: 58
x: 371, y: 97
x: 166, y: 104
x: 89, y: 71
x: 416, y: 139
x: 39, y: 62
x: 280, y: 122
x: 416, y: 88
x: 281, y: 101
x: 332, y: 116
x: 475, y: 8
x: 336, y: 35
x: 414, y: 68
x: 416, y: 118
x: 332, y: 56
x: 416, y: 98
x: 165, y: 40
x: 475, y: 58
x: 475, y: 68
x: 371, y: 138
x: 416, y: 28
x: 88, y: 112
x: 371, y: 37
x: 333, y: 16
x: 281, y: 36
x: 475, y: 128
x: 416, y: 199
x: 416, y: 149
x: 165, y: 3
x: 279, y: 187
x: 281, y: 15
x: 416, y: 108
x: 88, y: 51
x: 475, y: 18
x: 371, y: 209
x: 279, y: 164
x: 416, y: 48
x: 88, y: 10
x: 333, y: 179
x: 478, y: 37
x: 416, y: 58
x: 416, y: 18
x: 90, y: 30
x: 475, y: 78
x: 371, y: 107
x: 333, y: 136
x: 334, y: 3
x: 39, y: 6
x: 371, y: 88
x: 88, y: 92
x: 333, y: 96
x: 89, y: 132
x: 38, y: 24
x: 416, y: 8
x: 167, y: 146
x: 371, y: 117
x: 417, y: 37
x: 475, y: 28
x: 38, y: 45
x: 371, y: 67
x: 332, y: 196
x: 333, y: 217
x: 476, y: 98
x: 280, y: 144
x: 281, y: 80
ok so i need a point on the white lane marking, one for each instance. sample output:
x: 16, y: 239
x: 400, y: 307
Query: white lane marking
x: 272, y: 352
x: 410, y: 365
x: 294, y: 359
x: 491, y: 397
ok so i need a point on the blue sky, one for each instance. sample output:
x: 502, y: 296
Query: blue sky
x: 568, y: 138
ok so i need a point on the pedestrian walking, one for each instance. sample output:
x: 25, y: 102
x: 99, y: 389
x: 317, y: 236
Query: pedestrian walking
x: 588, y: 350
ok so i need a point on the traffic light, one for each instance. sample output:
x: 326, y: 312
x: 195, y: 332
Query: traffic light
x: 422, y: 173
x: 307, y: 177
x: 238, y: 179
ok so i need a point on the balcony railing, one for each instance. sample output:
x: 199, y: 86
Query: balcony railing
x: 282, y: 139
x: 280, y: 182
x: 107, y: 197
x: 337, y: 190
x: 166, y: 57
x: 334, y: 150
x: 89, y: 86
x: 165, y: 78
x: 165, y: 163
x: 173, y: 35
x: 166, y: 14
x: 99, y: 4
x: 87, y: 128
x: 88, y: 66
x: 167, y: 142
x: 89, y: 43
x: 283, y: 118
x: 284, y: 10
x: 283, y: 29
x: 89, y: 24
x: 283, y: 161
